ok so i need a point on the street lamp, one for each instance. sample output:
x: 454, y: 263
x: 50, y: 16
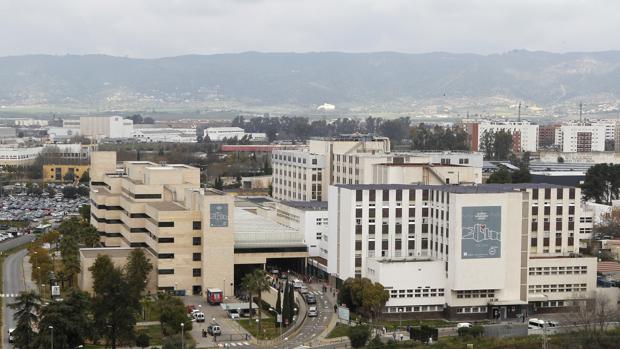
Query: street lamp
x: 182, y: 335
x: 400, y: 324
x: 52, y: 336
x: 279, y: 319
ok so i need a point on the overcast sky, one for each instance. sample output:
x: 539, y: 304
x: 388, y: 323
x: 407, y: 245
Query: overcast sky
x: 156, y: 28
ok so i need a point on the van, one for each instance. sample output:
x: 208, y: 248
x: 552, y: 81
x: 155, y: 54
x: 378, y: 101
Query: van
x: 534, y: 324
x: 214, y: 330
x: 313, y: 312
x: 199, y: 316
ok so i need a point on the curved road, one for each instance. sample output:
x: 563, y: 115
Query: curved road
x: 13, y: 282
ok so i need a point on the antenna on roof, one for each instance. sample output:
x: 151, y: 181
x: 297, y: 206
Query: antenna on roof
x: 519, y: 117
x: 580, y: 111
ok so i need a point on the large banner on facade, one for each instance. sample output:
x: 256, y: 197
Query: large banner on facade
x: 219, y: 215
x: 481, y: 235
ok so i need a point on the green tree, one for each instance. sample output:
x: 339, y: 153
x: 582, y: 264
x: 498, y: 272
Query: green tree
x: 291, y: 303
x: 85, y: 212
x: 286, y: 309
x: 487, y: 142
x: 69, y: 192
x: 363, y: 296
x: 279, y: 305
x: 502, y: 145
x: 69, y: 177
x: 602, y: 183
x: 69, y: 318
x: 85, y: 177
x: 358, y: 335
x: 143, y: 340
x: 172, y: 313
x: 113, y: 303
x: 27, y: 306
x: 137, y: 271
x: 71, y: 268
x: 501, y: 175
x: 522, y: 175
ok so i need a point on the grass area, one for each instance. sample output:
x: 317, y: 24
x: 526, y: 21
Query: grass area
x: 150, y: 313
x: 341, y: 330
x: 269, y: 330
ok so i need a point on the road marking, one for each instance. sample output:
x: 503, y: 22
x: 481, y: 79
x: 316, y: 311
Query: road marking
x: 220, y: 345
x: 232, y: 344
x: 246, y: 343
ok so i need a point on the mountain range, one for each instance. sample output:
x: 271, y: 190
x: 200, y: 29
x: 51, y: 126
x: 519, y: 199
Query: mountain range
x: 308, y: 79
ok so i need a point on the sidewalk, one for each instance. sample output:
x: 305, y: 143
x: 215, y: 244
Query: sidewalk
x: 29, y: 285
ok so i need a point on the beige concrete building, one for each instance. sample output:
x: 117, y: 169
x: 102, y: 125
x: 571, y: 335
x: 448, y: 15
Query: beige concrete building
x: 196, y: 236
x: 305, y: 174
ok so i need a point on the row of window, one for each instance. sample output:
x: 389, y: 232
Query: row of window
x: 557, y: 288
x: 475, y: 294
x: 417, y: 293
x: 196, y: 256
x: 558, y: 270
x: 195, y: 272
x: 471, y: 310
x: 415, y: 309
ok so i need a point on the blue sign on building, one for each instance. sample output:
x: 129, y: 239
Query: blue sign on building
x: 481, y: 235
x: 219, y: 215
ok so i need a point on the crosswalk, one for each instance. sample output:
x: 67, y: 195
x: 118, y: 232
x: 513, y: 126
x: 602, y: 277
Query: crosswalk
x: 316, y: 293
x: 8, y: 295
x: 233, y: 344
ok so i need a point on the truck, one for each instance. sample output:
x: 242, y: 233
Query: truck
x: 214, y: 296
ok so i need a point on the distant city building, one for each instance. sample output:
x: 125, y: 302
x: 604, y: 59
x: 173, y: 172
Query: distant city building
x: 524, y: 134
x: 25, y: 122
x: 546, y: 135
x: 582, y: 137
x: 217, y: 134
x: 7, y: 135
x: 106, y: 127
x: 164, y: 134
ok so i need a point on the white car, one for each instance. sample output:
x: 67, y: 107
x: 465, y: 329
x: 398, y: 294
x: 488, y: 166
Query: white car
x: 233, y: 315
x: 463, y: 325
x: 313, y: 312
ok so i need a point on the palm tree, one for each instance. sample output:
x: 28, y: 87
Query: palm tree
x: 27, y: 306
x: 247, y: 283
x: 261, y: 284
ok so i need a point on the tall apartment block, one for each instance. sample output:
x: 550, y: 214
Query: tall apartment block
x: 486, y: 251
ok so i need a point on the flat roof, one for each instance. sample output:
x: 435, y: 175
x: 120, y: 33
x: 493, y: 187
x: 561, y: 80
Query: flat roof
x: 166, y: 206
x: 307, y: 205
x: 255, y: 230
x: 479, y: 188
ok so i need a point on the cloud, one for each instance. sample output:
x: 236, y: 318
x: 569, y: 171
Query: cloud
x: 155, y: 28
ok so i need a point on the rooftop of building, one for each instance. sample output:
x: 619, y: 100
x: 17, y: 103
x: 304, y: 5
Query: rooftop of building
x: 166, y: 206
x: 307, y: 205
x: 465, y: 189
x: 255, y: 230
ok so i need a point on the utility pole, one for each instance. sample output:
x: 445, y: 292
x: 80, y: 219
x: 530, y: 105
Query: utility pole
x: 519, y: 118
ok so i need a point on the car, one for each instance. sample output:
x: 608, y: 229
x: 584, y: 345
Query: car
x: 313, y: 311
x: 11, y: 337
x: 463, y: 325
x: 214, y: 330
x: 199, y: 316
x: 310, y: 299
x: 233, y: 315
x: 303, y: 289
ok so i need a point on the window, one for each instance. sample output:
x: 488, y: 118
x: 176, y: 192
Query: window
x: 165, y: 271
x: 165, y: 240
x: 197, y: 272
x: 166, y: 256
x: 196, y: 256
x: 197, y: 225
x: 165, y: 224
x: 196, y: 241
x: 358, y: 195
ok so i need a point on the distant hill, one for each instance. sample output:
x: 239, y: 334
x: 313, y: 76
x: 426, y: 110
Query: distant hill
x: 307, y: 79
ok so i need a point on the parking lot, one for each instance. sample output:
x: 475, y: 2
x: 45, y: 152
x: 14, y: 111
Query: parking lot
x: 50, y: 206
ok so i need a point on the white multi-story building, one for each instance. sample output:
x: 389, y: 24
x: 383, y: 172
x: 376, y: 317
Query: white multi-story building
x: 524, y: 134
x: 101, y: 127
x: 221, y: 133
x: 462, y: 251
x: 165, y: 134
x: 582, y: 137
x: 305, y: 174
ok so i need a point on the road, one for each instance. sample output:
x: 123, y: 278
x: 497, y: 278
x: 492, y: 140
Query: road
x: 13, y: 282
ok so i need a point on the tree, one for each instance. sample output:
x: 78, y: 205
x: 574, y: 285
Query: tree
x: 522, y: 175
x: 50, y: 191
x: 363, y: 296
x: 71, y: 268
x: 85, y: 212
x: 502, y: 145
x: 27, y: 305
x: 149, y: 120
x: 172, y: 313
x: 69, y: 192
x: 286, y: 310
x: 69, y: 318
x: 143, y: 340
x: 602, y: 183
x: 501, y: 175
x: 69, y: 177
x: 136, y: 118
x: 247, y: 283
x: 358, y: 335
x: 113, y: 303
x: 174, y: 342
x: 85, y: 177
x: 256, y: 282
x: 279, y: 306
x: 291, y: 303
x: 137, y: 271
x: 594, y: 317
x: 609, y: 225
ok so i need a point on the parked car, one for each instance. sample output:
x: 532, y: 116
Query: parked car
x: 233, y: 315
x: 214, y: 330
x: 310, y: 299
x: 199, y: 316
x: 463, y: 325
